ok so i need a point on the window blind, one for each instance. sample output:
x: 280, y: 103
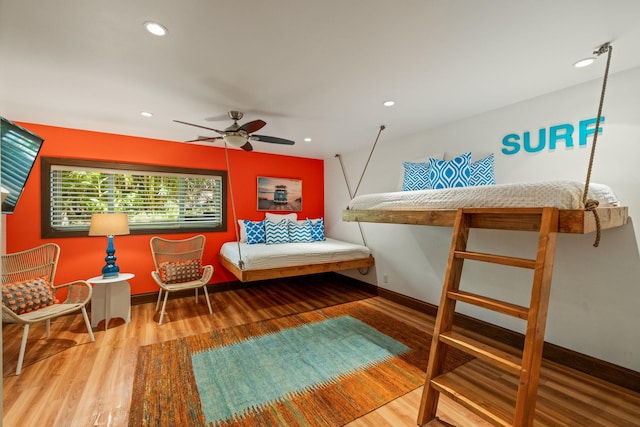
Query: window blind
x: 151, y: 199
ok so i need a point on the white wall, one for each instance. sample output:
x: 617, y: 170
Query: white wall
x: 595, y: 292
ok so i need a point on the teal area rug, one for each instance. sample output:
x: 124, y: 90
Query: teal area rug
x: 285, y: 363
x: 319, y: 368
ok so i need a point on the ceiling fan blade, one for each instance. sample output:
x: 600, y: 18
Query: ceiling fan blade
x: 198, y: 126
x: 205, y: 139
x: 247, y: 146
x: 272, y: 139
x: 253, y: 126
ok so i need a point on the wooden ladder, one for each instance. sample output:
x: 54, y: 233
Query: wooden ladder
x: 527, y: 367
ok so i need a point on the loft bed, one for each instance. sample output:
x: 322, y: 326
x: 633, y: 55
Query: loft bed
x: 548, y: 208
x: 251, y: 262
x: 438, y: 207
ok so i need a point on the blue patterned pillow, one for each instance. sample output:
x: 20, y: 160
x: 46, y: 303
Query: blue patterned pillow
x: 317, y: 229
x: 416, y: 176
x: 482, y: 172
x: 276, y: 233
x: 450, y: 173
x: 300, y: 232
x: 255, y: 231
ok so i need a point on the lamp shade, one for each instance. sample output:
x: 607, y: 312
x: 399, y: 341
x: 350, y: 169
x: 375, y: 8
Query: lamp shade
x: 109, y: 224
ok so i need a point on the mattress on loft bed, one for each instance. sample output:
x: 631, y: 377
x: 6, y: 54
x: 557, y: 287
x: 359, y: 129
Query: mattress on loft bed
x: 263, y: 256
x: 559, y: 194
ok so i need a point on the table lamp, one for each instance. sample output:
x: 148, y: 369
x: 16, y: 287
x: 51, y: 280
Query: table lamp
x: 109, y: 224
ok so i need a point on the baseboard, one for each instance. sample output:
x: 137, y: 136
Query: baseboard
x: 598, y: 368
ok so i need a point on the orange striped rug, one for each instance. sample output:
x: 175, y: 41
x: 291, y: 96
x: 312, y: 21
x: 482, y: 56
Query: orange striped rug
x: 289, y: 371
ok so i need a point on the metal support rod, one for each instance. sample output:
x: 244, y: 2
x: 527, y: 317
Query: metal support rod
x: 346, y: 180
x: 382, y: 127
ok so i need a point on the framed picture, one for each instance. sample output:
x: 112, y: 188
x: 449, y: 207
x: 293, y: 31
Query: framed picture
x: 279, y: 194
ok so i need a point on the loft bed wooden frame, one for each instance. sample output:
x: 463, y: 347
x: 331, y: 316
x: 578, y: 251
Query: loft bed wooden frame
x: 525, y: 369
x: 574, y: 221
x: 251, y: 275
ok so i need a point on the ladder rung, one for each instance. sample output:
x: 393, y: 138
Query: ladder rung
x: 497, y: 259
x: 457, y: 390
x: 490, y: 304
x: 501, y: 359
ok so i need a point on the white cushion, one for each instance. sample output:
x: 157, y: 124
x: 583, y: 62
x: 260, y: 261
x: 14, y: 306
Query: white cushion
x: 243, y: 231
x: 279, y: 217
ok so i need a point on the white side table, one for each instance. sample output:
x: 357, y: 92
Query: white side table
x: 111, y: 298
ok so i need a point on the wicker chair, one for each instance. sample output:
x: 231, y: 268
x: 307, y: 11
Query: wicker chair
x: 32, y: 265
x: 179, y: 267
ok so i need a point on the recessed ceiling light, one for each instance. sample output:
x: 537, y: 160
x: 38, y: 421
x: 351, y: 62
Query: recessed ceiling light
x: 155, y: 28
x: 584, y: 62
x: 307, y: 140
x: 146, y: 114
x: 388, y: 103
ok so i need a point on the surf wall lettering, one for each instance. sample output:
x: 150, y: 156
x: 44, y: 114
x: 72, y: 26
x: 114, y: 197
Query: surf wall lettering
x: 565, y: 135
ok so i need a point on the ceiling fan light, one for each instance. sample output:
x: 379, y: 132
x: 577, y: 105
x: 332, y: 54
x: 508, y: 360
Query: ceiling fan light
x: 155, y: 28
x: 584, y: 62
x: 235, y: 140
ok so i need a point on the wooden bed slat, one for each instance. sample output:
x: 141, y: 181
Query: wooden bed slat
x: 297, y: 270
x: 576, y: 221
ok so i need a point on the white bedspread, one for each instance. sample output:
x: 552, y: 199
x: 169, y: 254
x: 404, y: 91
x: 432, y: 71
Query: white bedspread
x: 261, y: 255
x: 560, y: 194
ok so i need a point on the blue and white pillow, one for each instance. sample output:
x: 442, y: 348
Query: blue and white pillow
x: 300, y: 232
x: 450, y: 173
x: 317, y: 229
x: 255, y: 231
x: 482, y: 172
x: 276, y: 232
x: 416, y: 176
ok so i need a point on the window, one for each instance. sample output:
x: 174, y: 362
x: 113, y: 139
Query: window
x: 157, y: 199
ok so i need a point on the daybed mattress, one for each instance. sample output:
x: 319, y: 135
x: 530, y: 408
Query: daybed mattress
x: 560, y: 194
x: 261, y: 255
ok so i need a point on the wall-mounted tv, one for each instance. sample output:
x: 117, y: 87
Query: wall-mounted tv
x: 19, y: 149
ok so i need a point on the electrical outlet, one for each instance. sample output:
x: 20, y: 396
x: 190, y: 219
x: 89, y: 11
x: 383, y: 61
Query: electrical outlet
x: 385, y: 279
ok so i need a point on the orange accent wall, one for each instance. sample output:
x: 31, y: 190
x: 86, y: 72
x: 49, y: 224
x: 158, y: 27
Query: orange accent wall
x: 83, y: 257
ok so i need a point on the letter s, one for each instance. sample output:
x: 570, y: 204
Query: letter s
x: 511, y: 142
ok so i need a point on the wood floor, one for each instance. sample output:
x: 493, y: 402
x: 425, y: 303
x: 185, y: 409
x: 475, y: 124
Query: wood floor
x: 69, y: 381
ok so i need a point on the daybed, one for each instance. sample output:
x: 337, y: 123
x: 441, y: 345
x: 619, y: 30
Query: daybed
x: 282, y: 246
x: 262, y: 261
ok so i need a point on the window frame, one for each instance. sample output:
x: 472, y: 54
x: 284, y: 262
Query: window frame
x: 46, y: 163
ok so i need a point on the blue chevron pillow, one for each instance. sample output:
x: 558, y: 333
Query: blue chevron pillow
x: 255, y: 231
x: 450, y: 173
x: 317, y: 229
x: 416, y: 176
x: 276, y: 233
x: 482, y: 172
x: 300, y: 232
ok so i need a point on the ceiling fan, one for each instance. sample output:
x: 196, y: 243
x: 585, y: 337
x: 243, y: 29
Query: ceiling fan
x: 239, y: 135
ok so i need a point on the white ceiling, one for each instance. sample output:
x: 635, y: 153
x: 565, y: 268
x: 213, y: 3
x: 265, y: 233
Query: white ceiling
x: 318, y: 69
